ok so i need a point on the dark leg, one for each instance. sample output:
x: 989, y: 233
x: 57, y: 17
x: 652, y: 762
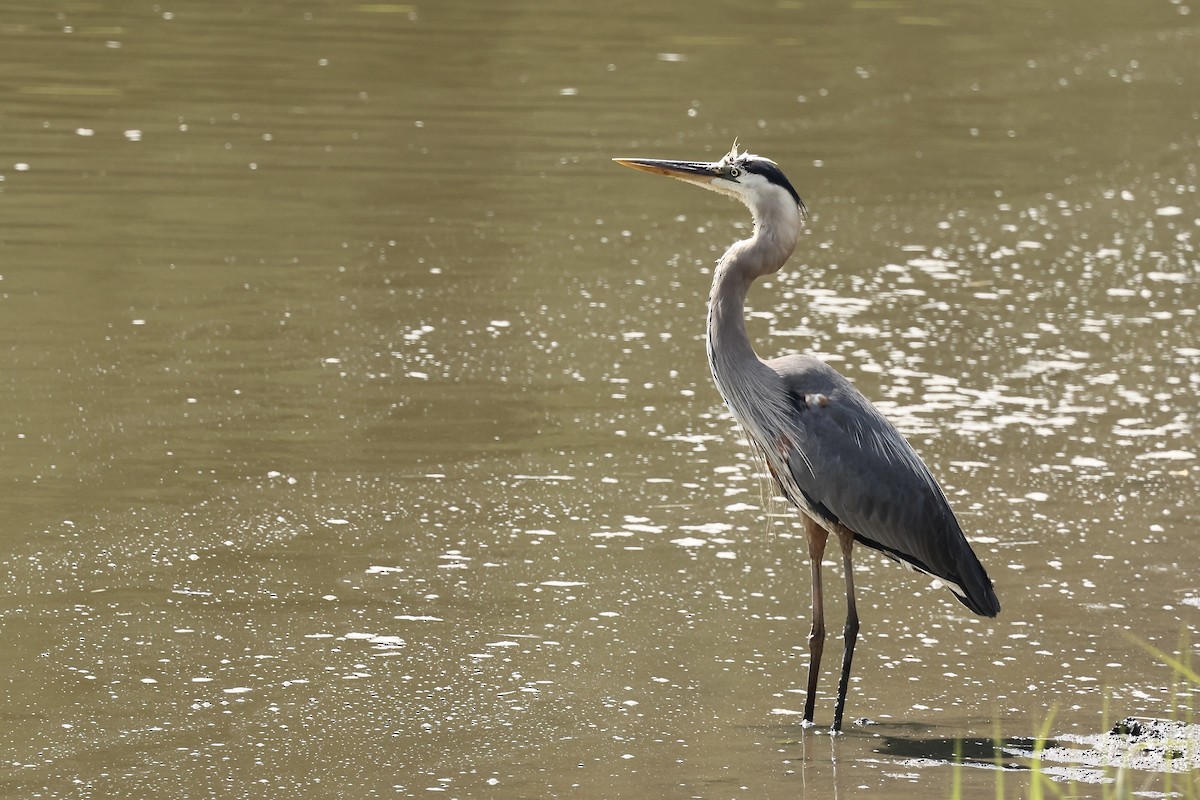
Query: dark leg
x: 817, y: 537
x: 850, y: 632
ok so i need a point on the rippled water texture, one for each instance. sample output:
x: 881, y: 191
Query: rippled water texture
x: 358, y: 439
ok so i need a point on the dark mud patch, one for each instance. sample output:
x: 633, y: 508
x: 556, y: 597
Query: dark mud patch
x: 1135, y: 744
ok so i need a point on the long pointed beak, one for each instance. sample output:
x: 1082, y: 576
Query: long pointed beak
x: 699, y: 172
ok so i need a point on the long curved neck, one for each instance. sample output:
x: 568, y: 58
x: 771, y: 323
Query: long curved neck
x: 729, y: 347
x: 728, y: 343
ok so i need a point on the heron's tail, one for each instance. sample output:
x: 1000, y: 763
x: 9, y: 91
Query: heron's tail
x: 973, y: 587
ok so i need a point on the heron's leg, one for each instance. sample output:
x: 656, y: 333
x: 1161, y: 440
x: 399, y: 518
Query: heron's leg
x: 850, y: 632
x: 817, y: 537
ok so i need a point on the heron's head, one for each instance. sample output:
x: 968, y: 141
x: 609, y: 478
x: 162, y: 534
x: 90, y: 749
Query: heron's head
x: 756, y: 181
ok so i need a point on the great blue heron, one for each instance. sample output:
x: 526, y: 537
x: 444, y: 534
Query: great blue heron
x: 833, y: 455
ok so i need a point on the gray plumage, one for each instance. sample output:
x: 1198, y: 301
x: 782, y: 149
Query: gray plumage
x: 833, y: 455
x: 852, y: 466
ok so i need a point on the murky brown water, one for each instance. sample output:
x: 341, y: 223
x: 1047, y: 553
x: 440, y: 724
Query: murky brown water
x: 358, y: 436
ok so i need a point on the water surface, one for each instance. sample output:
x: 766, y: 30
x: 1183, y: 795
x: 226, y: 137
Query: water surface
x: 359, y: 439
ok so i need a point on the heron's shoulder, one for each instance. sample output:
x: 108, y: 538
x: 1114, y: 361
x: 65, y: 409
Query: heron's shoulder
x: 811, y: 384
x: 806, y: 374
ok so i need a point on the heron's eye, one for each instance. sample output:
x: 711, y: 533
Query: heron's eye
x: 734, y: 172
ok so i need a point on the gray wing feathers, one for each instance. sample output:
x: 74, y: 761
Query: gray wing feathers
x: 854, y: 467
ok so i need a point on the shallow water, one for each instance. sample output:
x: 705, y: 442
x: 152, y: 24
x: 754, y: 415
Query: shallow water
x: 359, y: 439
